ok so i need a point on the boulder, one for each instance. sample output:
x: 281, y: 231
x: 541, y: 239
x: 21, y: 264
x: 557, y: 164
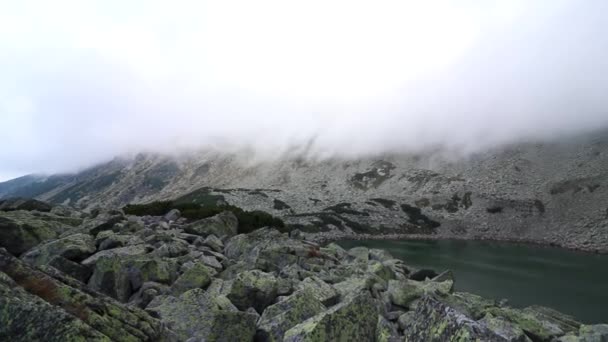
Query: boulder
x: 172, y: 215
x: 287, y: 313
x: 20, y: 231
x: 381, y: 270
x: 196, y: 277
x: 223, y: 224
x: 122, y: 252
x: 214, y: 243
x: 386, y: 331
x: 254, y: 288
x: 107, y: 239
x: 587, y: 333
x: 354, y: 319
x: 200, y: 315
x: 60, y: 294
x: 146, y: 293
x: 322, y: 291
x: 75, y: 247
x: 505, y: 329
x: 435, y: 321
x: 119, y: 277
x: 71, y: 268
x: 535, y: 323
x: 171, y: 249
x: 404, y: 293
x: 359, y: 253
x: 26, y: 317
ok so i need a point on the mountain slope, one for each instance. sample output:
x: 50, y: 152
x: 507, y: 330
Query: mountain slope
x: 550, y: 193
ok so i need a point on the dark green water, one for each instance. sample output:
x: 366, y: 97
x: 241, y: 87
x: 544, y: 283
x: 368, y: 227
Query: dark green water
x: 571, y: 282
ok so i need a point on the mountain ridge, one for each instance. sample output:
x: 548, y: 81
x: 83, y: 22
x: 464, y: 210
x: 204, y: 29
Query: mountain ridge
x: 550, y: 193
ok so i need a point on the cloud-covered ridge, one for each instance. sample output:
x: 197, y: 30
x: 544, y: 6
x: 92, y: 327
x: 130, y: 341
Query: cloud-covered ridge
x: 85, y: 81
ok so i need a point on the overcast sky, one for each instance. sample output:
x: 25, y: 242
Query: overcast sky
x: 83, y: 81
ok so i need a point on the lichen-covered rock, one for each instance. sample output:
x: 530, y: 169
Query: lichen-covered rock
x: 588, y: 333
x: 196, y: 277
x: 472, y: 305
x: 121, y: 252
x: 211, y: 261
x: 433, y: 321
x: 75, y: 247
x: 119, y: 277
x: 280, y: 317
x: 171, y: 249
x: 214, y: 243
x: 404, y: 292
x: 536, y: 324
x: 268, y: 250
x: 223, y: 224
x: 509, y: 331
x: 22, y: 230
x: 71, y: 268
x: 354, y: 319
x: 172, y: 215
x: 359, y: 253
x: 107, y: 239
x: 146, y: 293
x: 322, y: 291
x: 386, y: 331
x: 197, y: 314
x: 62, y: 294
x: 254, y: 288
x: 381, y: 270
x: 25, y: 317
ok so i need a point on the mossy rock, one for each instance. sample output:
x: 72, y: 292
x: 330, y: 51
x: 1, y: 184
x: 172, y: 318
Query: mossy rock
x: 119, y: 277
x: 282, y: 316
x: 75, y: 247
x: 201, y: 315
x: 355, y: 319
x: 197, y: 277
x: 255, y: 289
x: 404, y: 292
x: 22, y: 230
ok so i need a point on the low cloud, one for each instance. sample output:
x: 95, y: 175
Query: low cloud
x: 84, y: 82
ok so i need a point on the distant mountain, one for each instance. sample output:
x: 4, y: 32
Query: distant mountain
x: 551, y: 193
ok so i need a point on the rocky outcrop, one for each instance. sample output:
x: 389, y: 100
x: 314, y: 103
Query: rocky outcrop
x: 197, y: 314
x: 165, y: 284
x: 91, y: 314
x: 22, y: 230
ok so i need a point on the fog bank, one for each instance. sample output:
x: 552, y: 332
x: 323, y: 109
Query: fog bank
x: 83, y: 82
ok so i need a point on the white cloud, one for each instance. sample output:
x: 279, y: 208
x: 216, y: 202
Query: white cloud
x: 100, y: 78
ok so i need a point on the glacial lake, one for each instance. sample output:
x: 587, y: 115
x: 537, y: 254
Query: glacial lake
x: 571, y: 282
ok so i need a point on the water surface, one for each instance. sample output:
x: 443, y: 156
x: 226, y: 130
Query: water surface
x: 571, y: 282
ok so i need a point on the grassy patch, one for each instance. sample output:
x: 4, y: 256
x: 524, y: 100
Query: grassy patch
x: 388, y: 204
x: 345, y: 208
x: 494, y: 210
x: 280, y: 205
x: 417, y: 218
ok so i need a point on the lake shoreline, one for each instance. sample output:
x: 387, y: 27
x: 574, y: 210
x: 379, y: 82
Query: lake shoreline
x: 325, y: 239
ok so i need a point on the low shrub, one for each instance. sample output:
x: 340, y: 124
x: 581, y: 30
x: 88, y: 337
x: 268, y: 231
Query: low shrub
x: 248, y: 220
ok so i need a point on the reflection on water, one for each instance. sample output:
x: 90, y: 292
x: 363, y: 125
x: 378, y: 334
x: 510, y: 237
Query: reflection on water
x: 571, y: 282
